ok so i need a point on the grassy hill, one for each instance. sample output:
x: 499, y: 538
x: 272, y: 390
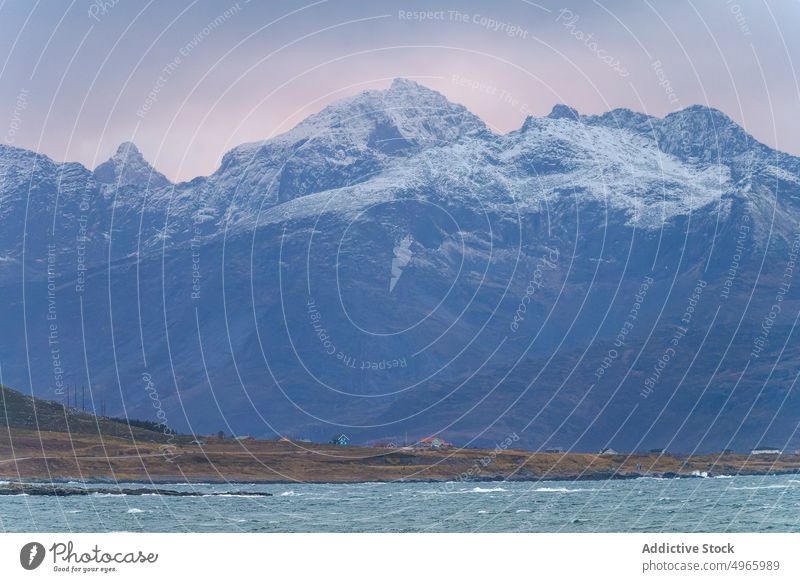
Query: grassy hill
x: 19, y: 411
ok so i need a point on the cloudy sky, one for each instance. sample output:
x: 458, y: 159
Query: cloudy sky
x: 186, y: 81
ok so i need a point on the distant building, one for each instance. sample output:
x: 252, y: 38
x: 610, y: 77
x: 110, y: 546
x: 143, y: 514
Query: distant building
x: 557, y: 450
x: 432, y: 443
x: 290, y: 439
x: 728, y: 452
x: 244, y: 438
x: 608, y: 451
x: 384, y: 445
x: 766, y: 451
x: 197, y: 442
x: 341, y: 440
x: 657, y: 451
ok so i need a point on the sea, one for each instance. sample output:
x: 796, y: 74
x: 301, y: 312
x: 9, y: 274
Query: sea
x: 712, y: 504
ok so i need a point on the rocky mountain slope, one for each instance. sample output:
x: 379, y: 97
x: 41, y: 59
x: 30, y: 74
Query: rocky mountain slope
x: 391, y: 267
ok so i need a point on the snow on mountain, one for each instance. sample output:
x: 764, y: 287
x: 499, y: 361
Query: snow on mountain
x: 401, y: 181
x: 560, y: 155
x: 651, y: 169
x: 404, y: 141
x: 345, y: 143
x: 127, y: 167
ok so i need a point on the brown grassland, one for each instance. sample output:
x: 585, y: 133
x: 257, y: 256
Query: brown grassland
x: 32, y: 455
x: 44, y: 440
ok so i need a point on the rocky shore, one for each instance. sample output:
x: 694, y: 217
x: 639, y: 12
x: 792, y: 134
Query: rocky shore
x: 55, y: 490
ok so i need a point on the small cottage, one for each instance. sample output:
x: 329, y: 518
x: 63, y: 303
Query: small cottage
x: 432, y: 443
x: 341, y: 440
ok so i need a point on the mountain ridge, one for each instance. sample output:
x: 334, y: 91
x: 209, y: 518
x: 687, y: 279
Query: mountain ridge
x: 308, y: 126
x: 260, y: 298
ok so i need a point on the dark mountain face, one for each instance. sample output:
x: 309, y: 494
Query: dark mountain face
x: 390, y: 267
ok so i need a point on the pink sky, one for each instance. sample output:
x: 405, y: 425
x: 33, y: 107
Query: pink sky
x: 187, y: 82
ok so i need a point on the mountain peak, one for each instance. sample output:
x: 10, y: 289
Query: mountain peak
x: 128, y: 148
x: 402, y: 88
x: 703, y: 117
x: 349, y: 140
x: 128, y: 167
x: 403, y: 117
x: 705, y: 134
x: 403, y: 84
x: 623, y: 118
x: 561, y: 111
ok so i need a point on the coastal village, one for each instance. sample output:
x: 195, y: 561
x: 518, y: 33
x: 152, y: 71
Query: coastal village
x: 438, y: 443
x: 434, y: 443
x: 48, y: 439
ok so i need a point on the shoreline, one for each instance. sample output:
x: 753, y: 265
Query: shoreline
x: 51, y: 457
x: 592, y: 478
x: 513, y: 479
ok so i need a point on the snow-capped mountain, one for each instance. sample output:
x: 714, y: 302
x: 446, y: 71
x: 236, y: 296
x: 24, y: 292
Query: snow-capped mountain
x: 390, y: 265
x: 127, y: 167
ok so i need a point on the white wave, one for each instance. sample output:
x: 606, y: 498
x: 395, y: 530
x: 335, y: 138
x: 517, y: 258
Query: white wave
x: 487, y: 490
x: 135, y: 510
x: 756, y: 487
x: 289, y: 494
x: 723, y: 476
x: 523, y: 511
x: 560, y: 490
x: 228, y: 495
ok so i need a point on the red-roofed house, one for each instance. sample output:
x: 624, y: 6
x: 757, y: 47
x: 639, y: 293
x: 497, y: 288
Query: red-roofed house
x: 432, y: 443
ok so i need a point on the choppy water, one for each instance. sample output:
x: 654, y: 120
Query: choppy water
x: 746, y: 504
